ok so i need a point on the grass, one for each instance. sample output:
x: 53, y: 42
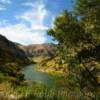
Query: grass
x: 36, y: 92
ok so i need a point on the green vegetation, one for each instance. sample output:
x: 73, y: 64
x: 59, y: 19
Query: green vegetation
x: 55, y: 66
x: 77, y: 59
x: 38, y: 92
x: 12, y: 60
x: 78, y: 34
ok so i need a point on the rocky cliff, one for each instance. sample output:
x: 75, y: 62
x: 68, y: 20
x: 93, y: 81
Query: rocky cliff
x: 39, y: 52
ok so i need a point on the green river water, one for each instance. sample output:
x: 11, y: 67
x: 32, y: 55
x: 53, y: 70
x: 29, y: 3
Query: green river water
x: 32, y: 74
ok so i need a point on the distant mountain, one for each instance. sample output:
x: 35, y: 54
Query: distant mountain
x: 10, y: 51
x: 39, y: 50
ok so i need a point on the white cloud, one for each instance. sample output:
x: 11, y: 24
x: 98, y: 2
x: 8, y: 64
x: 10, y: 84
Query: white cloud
x: 5, y: 1
x: 22, y: 34
x: 2, y: 7
x: 4, y: 4
x: 35, y: 16
x: 29, y: 4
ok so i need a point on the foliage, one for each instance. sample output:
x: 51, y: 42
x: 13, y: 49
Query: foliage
x: 88, y: 10
x: 79, y: 44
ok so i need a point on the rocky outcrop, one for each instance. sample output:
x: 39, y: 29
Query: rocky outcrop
x: 38, y: 50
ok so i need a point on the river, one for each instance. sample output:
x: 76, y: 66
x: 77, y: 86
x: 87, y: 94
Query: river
x: 32, y: 74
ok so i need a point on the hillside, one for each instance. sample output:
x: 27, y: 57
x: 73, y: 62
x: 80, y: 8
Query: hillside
x: 9, y: 51
x: 12, y: 58
x: 39, y: 52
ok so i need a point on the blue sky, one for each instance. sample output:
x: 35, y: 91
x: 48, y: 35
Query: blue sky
x: 26, y: 21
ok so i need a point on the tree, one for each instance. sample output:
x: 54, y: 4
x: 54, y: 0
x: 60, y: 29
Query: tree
x: 88, y: 11
x: 79, y: 41
x: 67, y: 30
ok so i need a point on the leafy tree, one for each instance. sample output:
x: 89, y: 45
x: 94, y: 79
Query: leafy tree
x: 67, y: 30
x: 79, y: 44
x: 88, y: 11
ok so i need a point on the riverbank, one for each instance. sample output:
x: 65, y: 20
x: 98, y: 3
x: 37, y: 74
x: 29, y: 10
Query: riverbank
x: 54, y: 66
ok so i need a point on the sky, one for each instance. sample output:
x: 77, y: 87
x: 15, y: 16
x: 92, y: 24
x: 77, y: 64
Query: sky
x: 27, y: 21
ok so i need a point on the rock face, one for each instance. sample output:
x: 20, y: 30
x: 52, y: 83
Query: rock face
x: 45, y: 50
x: 10, y: 52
